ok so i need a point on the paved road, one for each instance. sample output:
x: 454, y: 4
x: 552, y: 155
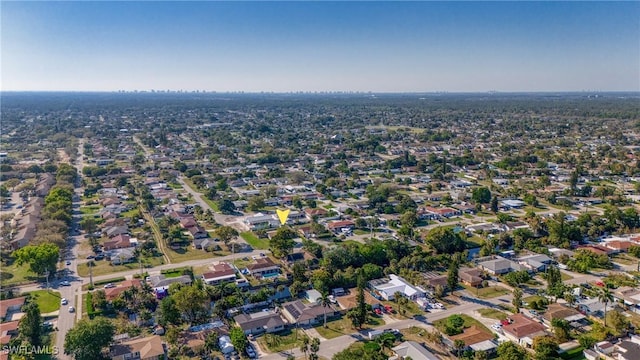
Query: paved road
x: 229, y: 220
x: 72, y: 293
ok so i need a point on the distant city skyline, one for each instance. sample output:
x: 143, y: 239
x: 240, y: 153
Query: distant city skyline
x: 321, y: 46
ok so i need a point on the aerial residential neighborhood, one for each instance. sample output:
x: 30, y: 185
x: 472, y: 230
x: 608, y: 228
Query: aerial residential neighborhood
x: 404, y: 238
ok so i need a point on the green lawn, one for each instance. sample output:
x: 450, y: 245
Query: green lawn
x: 343, y: 326
x: 211, y: 203
x: 104, y: 267
x: 16, y: 275
x: 410, y: 309
x: 468, y: 322
x: 530, y: 299
x: 47, y: 300
x: 135, y: 212
x: 282, y: 341
x: 565, y: 276
x: 493, y: 314
x: 187, y: 253
x: 89, y: 210
x: 487, y: 292
x: 254, y: 241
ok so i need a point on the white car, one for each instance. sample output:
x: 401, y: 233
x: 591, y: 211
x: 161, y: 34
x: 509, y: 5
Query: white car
x: 64, y: 301
x: 65, y: 283
x: 72, y: 309
x: 109, y: 286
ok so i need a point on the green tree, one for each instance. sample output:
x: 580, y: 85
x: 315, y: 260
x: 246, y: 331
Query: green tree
x: 325, y: 303
x: 444, y: 240
x: 517, y: 299
x: 41, y: 258
x: 511, y: 351
x: 226, y: 206
x: 192, y: 302
x: 314, y: 348
x: 304, y: 346
x: 238, y: 339
x: 226, y: 233
x: 494, y: 204
x: 546, y: 348
x: 481, y: 195
x: 605, y: 297
x: 618, y: 322
x: 31, y: 324
x: 361, y: 305
x: 555, y: 287
x: 87, y: 339
x: 282, y: 242
x: 255, y: 203
x: 561, y: 330
x: 168, y: 313
x: 452, y: 276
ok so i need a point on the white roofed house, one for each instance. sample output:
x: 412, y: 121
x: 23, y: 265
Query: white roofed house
x: 220, y: 273
x: 387, y: 287
x: 261, y: 221
x: 535, y: 263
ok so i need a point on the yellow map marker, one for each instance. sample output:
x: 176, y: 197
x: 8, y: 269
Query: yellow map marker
x: 283, y: 215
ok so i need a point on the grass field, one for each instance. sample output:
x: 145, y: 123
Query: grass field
x: 16, y: 275
x: 493, y: 314
x: 468, y: 322
x: 47, y: 300
x: 282, y: 341
x: 104, y: 267
x: 487, y: 292
x: 254, y: 241
x: 186, y: 254
x: 343, y: 326
x: 565, y: 276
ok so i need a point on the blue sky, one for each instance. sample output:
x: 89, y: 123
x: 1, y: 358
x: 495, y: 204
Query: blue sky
x: 321, y: 46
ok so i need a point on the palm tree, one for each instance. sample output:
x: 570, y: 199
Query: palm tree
x: 324, y: 301
x: 570, y: 299
x: 304, y: 347
x: 605, y: 296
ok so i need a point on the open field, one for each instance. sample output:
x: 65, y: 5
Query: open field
x: 254, y: 241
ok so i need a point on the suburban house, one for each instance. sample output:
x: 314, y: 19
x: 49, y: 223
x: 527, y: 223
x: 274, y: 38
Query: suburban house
x: 160, y: 283
x: 147, y: 348
x: 474, y: 338
x: 620, y: 245
x: 341, y: 226
x: 630, y: 296
x: 120, y: 241
x: 121, y: 256
x: 198, y: 232
x: 261, y: 221
x: 299, y: 313
x: 220, y: 273
x: 262, y: 267
x: 557, y: 311
x: 592, y: 307
x: 498, y: 266
x: 470, y: 276
x: 443, y: 212
x: 112, y: 293
x: 434, y: 279
x: 8, y: 330
x: 301, y: 256
x: 10, y: 306
x: 387, y: 287
x: 629, y: 349
x: 535, y: 263
x: 523, y: 330
x: 260, y: 322
x: 412, y: 350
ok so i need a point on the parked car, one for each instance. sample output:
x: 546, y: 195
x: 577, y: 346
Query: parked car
x: 72, y: 309
x: 109, y: 286
x: 68, y: 262
x: 65, y: 283
x: 90, y: 257
x: 64, y: 301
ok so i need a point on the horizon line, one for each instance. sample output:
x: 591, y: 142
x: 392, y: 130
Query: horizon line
x: 318, y: 92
